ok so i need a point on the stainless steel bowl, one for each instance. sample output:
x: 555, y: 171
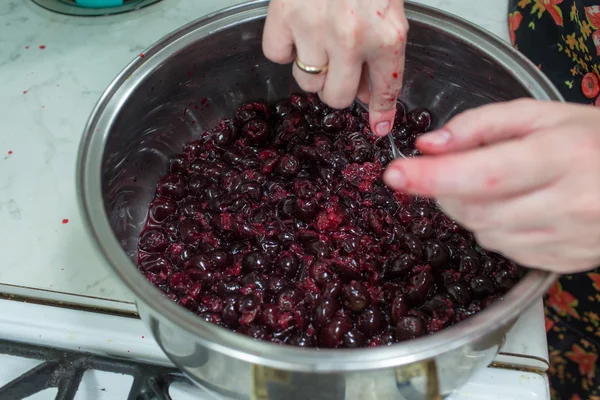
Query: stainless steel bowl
x: 149, y: 112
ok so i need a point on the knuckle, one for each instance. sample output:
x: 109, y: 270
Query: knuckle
x: 392, y: 37
x: 310, y: 87
x: 385, y: 98
x: 486, y: 241
x: 336, y: 101
x: 271, y: 53
x: 475, y: 218
x: 308, y: 84
x: 349, y: 34
x: 586, y: 207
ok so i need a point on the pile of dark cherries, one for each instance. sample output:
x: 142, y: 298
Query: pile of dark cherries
x: 276, y: 224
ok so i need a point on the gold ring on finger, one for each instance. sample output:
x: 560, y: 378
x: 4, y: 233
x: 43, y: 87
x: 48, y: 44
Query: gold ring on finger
x: 310, y: 69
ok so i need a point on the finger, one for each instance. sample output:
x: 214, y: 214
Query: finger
x: 499, y: 170
x: 278, y: 42
x: 313, y: 54
x: 553, y: 261
x: 489, y: 124
x: 516, y: 242
x: 342, y: 81
x: 527, y: 212
x: 363, y: 92
x: 385, y: 76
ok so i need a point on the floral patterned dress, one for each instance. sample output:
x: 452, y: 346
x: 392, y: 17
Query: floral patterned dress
x: 562, y: 37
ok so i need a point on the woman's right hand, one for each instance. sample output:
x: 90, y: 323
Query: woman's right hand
x: 523, y: 176
x: 361, y: 42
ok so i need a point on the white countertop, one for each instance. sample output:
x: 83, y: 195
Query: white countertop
x: 53, y: 68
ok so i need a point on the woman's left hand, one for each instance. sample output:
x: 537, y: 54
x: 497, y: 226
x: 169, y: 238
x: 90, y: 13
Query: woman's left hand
x: 524, y: 176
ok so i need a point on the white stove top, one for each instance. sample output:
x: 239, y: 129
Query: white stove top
x: 53, y: 68
x: 128, y: 338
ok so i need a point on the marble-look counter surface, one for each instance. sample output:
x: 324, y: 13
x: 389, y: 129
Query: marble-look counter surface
x: 53, y: 68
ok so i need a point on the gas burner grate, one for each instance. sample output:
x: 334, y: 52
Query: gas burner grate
x: 64, y: 369
x: 70, y: 7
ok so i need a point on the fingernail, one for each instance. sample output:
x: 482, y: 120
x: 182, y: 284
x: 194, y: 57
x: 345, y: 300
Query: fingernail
x: 437, y: 138
x: 382, y: 128
x: 395, y: 178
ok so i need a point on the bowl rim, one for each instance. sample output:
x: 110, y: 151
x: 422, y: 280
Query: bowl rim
x: 88, y: 179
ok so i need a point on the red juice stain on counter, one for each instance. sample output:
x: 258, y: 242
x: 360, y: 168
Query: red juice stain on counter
x: 10, y: 152
x: 65, y: 221
x: 42, y: 47
x: 142, y: 337
x: 142, y: 55
x: 25, y: 91
x: 26, y: 47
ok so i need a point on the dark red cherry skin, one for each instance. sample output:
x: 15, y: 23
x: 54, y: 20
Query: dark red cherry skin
x: 412, y: 244
x: 172, y: 186
x: 400, y: 266
x: 305, y: 210
x: 333, y: 333
x: 321, y: 273
x: 161, y: 209
x: 287, y: 264
x: 256, y: 261
x: 355, y: 297
x: 354, y: 339
x: 481, y: 287
x: 302, y: 341
x: 333, y: 288
x: 422, y: 228
x: 459, y: 293
x: 436, y: 253
x: 325, y: 309
x: 470, y: 262
x: 256, y: 130
x: 270, y: 315
x: 419, y: 120
x: 276, y: 283
x: 370, y: 321
x: 419, y: 287
x: 409, y: 327
x: 399, y: 308
x: 276, y: 224
x: 288, y: 298
x: 153, y: 241
x: 288, y: 166
x: 334, y: 122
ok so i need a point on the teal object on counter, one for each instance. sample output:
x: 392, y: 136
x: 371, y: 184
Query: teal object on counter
x: 99, y: 3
